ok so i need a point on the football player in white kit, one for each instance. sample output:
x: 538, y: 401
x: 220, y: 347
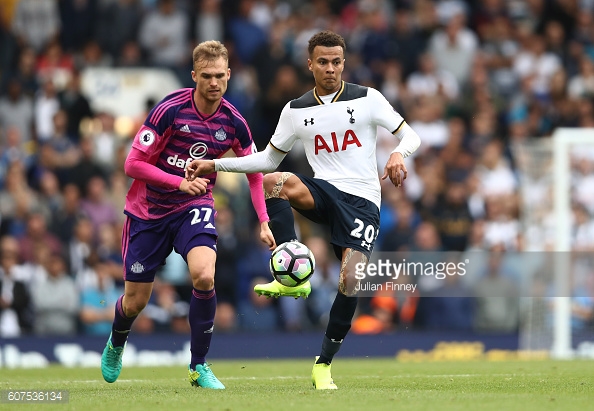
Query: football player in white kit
x: 337, y: 123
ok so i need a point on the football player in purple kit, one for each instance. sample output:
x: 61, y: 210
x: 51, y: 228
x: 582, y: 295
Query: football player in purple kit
x: 167, y: 212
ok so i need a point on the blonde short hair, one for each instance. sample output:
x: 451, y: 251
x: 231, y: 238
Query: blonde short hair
x: 209, y: 50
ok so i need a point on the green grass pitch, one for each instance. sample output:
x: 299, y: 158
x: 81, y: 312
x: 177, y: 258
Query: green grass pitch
x: 364, y: 384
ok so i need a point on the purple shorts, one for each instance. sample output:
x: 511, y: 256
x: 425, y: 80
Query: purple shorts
x: 146, y: 244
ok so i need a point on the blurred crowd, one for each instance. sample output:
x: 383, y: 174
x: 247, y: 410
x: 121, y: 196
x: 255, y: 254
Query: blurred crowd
x: 473, y: 78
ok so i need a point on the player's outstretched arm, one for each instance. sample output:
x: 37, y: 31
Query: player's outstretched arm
x: 199, y: 168
x: 261, y: 162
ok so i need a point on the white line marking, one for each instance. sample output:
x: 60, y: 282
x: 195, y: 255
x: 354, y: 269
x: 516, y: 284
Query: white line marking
x: 293, y: 377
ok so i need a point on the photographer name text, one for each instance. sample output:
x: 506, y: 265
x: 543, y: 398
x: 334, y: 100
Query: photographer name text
x: 386, y: 287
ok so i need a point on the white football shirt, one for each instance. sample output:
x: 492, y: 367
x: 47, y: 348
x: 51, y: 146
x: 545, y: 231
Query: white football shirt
x: 339, y: 137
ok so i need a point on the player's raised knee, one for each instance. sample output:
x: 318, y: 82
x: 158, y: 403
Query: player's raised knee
x: 274, y: 184
x: 270, y: 181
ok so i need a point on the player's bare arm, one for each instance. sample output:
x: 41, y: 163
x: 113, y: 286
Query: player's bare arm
x: 395, y: 169
x: 199, y: 168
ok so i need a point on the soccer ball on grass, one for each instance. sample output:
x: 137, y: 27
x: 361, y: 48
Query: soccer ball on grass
x: 292, y: 263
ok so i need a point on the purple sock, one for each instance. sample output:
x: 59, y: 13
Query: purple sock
x: 201, y: 317
x: 121, y: 325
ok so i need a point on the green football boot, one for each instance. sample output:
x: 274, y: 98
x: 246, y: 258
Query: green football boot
x: 276, y: 289
x: 111, y: 361
x: 203, y: 377
x: 321, y: 377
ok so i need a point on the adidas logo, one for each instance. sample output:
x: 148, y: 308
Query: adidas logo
x: 185, y: 128
x: 209, y: 225
x: 209, y: 331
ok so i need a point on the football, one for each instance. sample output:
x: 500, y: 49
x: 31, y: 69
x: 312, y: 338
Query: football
x: 292, y: 263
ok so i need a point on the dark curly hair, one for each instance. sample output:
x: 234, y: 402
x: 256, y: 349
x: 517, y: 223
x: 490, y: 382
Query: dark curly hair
x: 326, y: 38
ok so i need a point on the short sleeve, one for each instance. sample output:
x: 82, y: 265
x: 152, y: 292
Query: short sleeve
x: 157, y: 122
x: 244, y: 142
x: 146, y: 140
x: 284, y: 136
x: 382, y: 112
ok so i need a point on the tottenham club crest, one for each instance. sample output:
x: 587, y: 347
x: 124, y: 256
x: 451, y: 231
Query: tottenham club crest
x: 350, y: 111
x: 220, y: 134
